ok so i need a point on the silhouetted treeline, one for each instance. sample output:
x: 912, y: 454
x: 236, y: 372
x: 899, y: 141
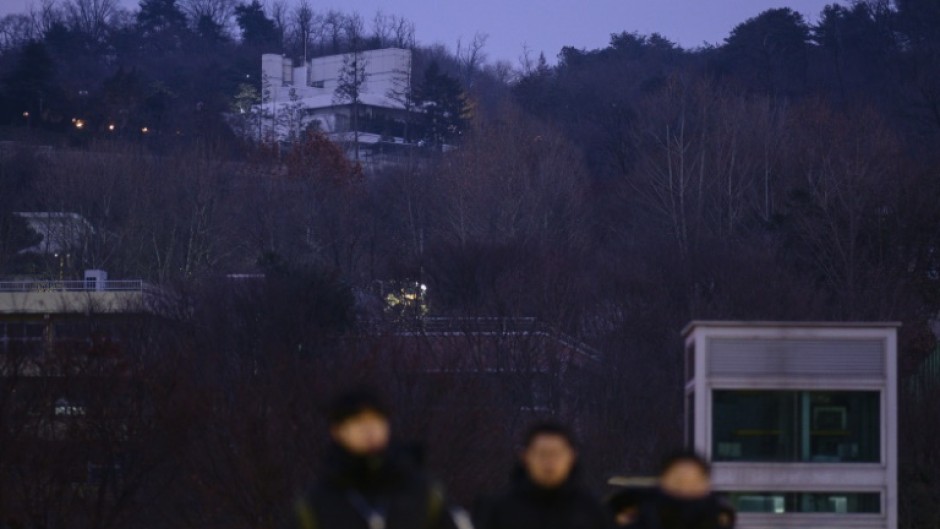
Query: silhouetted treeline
x: 789, y: 173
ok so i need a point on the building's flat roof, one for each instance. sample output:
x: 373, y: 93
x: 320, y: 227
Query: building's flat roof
x: 790, y: 324
x: 39, y: 296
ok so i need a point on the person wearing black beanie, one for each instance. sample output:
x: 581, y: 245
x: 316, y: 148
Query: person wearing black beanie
x: 368, y: 482
x: 544, y: 493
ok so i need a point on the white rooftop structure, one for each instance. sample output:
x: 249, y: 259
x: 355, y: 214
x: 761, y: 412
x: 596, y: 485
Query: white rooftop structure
x: 299, y: 98
x: 312, y: 85
x: 384, y: 70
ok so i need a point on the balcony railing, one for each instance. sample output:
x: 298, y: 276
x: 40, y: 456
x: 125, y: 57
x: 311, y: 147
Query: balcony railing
x: 52, y: 285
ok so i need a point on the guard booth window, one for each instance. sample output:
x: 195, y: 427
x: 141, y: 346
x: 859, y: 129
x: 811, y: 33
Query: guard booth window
x: 797, y: 426
x: 807, y: 502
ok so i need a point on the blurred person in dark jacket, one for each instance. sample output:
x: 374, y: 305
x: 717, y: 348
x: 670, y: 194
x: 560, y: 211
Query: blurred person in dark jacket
x: 684, y: 498
x: 545, y: 493
x: 368, y: 482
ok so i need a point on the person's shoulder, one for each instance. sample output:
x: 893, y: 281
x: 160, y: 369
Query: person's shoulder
x: 496, y: 499
x: 590, y: 508
x: 587, y: 497
x: 418, y: 480
x: 406, y: 463
x: 488, y: 505
x: 489, y: 510
x: 320, y: 492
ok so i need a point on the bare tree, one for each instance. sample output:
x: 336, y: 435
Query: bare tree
x: 333, y: 25
x: 382, y: 29
x: 219, y: 12
x: 404, y: 33
x: 846, y: 195
x: 89, y: 451
x: 526, y: 60
x: 167, y: 236
x: 698, y: 161
x: 502, y: 71
x: 45, y: 16
x: 303, y: 19
x: 354, y: 32
x: 279, y: 11
x: 514, y: 182
x: 15, y: 30
x: 91, y: 17
x: 392, y: 31
x: 471, y: 57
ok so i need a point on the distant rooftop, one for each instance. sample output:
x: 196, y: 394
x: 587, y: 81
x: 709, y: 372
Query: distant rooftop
x: 59, y: 230
x: 93, y: 294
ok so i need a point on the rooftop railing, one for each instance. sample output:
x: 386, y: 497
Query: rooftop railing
x: 495, y: 326
x: 52, y: 285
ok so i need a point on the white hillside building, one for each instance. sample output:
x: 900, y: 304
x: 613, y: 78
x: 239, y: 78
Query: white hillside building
x: 296, y: 98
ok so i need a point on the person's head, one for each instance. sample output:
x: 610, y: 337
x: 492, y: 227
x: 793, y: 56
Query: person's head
x: 549, y: 454
x: 685, y: 475
x: 359, y: 423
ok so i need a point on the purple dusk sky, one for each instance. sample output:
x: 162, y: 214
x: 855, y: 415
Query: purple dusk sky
x: 547, y: 25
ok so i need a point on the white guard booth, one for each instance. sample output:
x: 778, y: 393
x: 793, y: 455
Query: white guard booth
x: 798, y: 419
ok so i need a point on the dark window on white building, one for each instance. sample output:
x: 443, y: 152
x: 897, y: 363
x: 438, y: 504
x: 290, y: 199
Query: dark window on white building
x: 790, y: 426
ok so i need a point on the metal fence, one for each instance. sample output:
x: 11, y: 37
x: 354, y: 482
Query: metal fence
x: 37, y: 285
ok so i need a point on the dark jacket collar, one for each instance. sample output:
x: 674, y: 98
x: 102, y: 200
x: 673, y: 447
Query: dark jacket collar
x: 679, y: 512
x: 523, y: 485
x: 373, y: 472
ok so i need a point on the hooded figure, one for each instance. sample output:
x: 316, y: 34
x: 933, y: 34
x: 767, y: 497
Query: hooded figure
x: 544, y: 493
x: 368, y: 483
x: 684, y: 499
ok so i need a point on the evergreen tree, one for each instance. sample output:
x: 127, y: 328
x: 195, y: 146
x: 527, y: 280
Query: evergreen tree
x: 441, y: 99
x: 210, y: 31
x: 352, y: 76
x: 161, y: 24
x: 257, y: 29
x: 771, y: 49
x: 30, y: 89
